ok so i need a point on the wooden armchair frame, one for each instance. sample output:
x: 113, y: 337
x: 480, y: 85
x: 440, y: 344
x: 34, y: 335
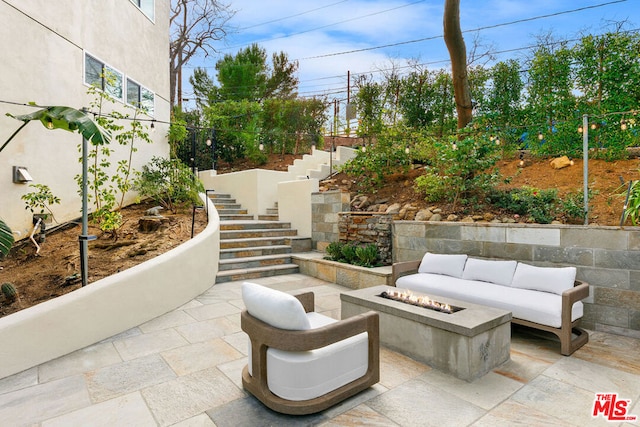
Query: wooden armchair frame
x: 263, y: 336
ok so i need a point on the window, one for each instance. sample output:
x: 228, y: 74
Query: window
x: 140, y: 97
x: 147, y: 7
x: 97, y: 73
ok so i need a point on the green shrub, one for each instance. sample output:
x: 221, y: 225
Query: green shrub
x: 432, y: 185
x: 352, y: 253
x: 169, y: 182
x: 334, y: 251
x: 462, y: 171
x: 572, y: 207
x: 349, y: 253
x: 539, y: 206
x: 367, y: 255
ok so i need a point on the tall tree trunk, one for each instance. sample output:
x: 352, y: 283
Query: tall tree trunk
x: 458, y: 54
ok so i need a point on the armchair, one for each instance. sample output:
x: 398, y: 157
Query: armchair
x: 302, y: 362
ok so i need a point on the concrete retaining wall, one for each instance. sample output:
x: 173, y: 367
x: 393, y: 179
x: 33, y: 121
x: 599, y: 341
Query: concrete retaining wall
x: 608, y: 258
x: 110, y: 305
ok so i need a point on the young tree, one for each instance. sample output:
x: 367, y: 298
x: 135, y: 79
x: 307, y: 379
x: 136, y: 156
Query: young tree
x: 503, y: 101
x: 243, y: 75
x: 283, y: 82
x: 195, y: 26
x: 247, y: 75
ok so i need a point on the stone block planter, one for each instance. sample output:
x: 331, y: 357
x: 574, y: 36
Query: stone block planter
x: 351, y: 276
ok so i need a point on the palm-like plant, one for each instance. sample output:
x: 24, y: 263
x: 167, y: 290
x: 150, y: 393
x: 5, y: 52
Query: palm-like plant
x: 54, y: 117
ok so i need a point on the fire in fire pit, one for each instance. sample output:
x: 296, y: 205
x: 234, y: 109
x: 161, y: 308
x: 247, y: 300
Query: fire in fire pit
x: 419, y: 300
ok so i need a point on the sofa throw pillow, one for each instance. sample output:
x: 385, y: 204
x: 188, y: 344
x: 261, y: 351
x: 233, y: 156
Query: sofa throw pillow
x: 492, y: 271
x: 275, y: 308
x: 447, y: 264
x: 546, y: 279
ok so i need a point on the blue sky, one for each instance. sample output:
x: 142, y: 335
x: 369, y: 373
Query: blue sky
x: 319, y: 33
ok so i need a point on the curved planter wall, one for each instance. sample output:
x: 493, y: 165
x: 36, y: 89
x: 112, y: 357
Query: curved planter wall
x: 111, y: 305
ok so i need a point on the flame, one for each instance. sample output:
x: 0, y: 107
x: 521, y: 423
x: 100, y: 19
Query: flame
x: 420, y: 300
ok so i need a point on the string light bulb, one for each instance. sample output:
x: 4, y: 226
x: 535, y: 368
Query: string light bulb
x: 540, y: 136
x: 580, y: 130
x: 623, y: 124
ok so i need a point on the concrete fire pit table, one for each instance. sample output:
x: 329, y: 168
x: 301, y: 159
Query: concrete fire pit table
x: 467, y: 343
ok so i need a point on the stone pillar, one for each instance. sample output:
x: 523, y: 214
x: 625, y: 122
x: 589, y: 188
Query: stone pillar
x: 325, y: 207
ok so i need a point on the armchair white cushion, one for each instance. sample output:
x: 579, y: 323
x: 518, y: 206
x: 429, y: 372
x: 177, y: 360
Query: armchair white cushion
x: 301, y: 366
x: 276, y: 308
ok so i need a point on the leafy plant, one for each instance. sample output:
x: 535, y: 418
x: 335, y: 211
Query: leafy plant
x: 6, y: 238
x: 349, y: 253
x: 110, y: 222
x: 379, y: 160
x: 352, y: 253
x: 539, y: 206
x: 432, y: 185
x: 334, y: 251
x: 572, y: 207
x: 107, y: 188
x: 632, y: 208
x: 367, y: 255
x: 462, y: 170
x: 169, y: 182
x: 38, y: 201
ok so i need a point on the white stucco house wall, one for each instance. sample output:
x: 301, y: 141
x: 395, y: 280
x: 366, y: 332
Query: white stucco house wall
x: 52, y: 51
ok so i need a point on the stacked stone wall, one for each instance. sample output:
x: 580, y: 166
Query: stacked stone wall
x: 368, y: 228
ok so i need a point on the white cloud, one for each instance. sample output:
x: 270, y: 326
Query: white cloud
x: 418, y: 21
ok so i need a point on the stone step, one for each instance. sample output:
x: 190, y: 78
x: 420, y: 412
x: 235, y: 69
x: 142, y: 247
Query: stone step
x: 231, y: 211
x: 254, y: 251
x: 254, y: 262
x: 269, y: 217
x: 235, y: 217
x: 253, y: 242
x: 222, y: 199
x: 253, y: 225
x: 220, y: 206
x: 254, y: 233
x: 254, y: 273
x: 219, y: 196
x: 272, y: 211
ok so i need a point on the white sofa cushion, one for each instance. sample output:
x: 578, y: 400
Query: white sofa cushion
x: 535, y: 306
x: 493, y: 271
x: 547, y: 279
x: 274, y: 307
x: 447, y: 264
x: 303, y: 375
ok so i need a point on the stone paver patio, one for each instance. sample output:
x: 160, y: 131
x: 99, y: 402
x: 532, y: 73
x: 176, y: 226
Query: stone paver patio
x: 184, y: 368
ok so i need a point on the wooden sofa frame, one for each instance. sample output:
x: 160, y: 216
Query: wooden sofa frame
x: 263, y: 336
x: 568, y: 343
